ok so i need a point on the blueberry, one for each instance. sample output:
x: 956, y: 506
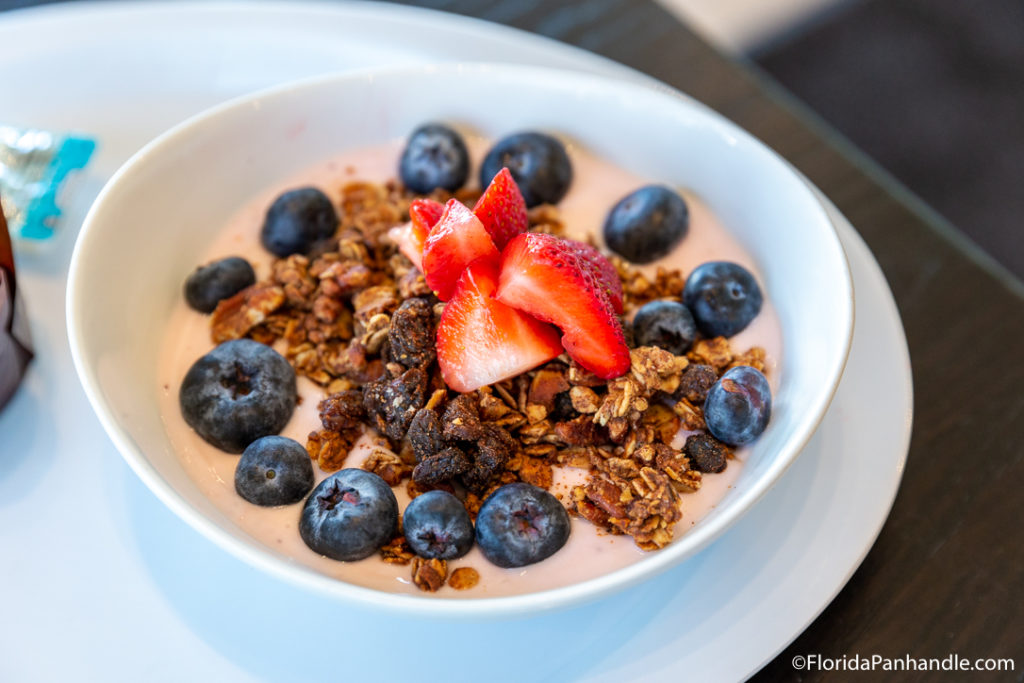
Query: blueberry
x: 437, y: 525
x: 666, y: 324
x: 723, y: 297
x: 238, y: 392
x: 274, y: 470
x: 218, y: 280
x: 297, y: 220
x: 434, y: 157
x: 738, y: 406
x: 538, y: 163
x: 647, y: 224
x: 349, y: 515
x: 520, y: 524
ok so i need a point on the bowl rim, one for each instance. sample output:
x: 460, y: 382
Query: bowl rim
x: 254, y: 553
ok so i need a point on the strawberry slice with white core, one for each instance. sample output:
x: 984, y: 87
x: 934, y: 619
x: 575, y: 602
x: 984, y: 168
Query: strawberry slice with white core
x: 502, y: 209
x: 411, y: 236
x: 605, y: 272
x: 544, y: 276
x: 481, y: 341
x: 458, y: 239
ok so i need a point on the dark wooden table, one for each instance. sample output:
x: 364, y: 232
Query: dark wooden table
x: 947, y: 573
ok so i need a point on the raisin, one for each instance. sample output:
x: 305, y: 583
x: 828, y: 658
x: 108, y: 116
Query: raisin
x: 695, y: 382
x: 425, y: 434
x: 440, y: 467
x: 706, y: 453
x: 411, y: 335
x: 394, y: 402
x: 343, y: 410
x: 462, y: 419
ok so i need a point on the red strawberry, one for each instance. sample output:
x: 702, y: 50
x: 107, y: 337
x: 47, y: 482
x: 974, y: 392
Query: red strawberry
x: 458, y: 239
x: 410, y: 237
x: 605, y: 272
x: 481, y: 340
x: 502, y: 209
x: 544, y: 276
x: 425, y: 213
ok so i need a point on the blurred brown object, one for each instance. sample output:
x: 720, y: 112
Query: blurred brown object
x: 15, y: 348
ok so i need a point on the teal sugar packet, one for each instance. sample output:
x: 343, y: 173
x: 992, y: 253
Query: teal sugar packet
x: 33, y: 166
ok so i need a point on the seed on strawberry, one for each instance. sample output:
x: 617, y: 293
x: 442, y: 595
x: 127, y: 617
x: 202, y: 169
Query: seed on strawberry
x: 458, y: 239
x: 502, y: 209
x: 481, y: 341
x: 544, y: 276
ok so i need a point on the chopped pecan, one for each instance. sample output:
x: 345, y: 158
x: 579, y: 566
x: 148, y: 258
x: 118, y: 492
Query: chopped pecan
x: 387, y: 466
x: 581, y: 431
x: 238, y: 314
x: 429, y: 575
x: 545, y: 385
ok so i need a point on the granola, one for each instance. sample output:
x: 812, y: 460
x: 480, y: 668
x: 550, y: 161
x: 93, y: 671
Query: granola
x: 358, y: 319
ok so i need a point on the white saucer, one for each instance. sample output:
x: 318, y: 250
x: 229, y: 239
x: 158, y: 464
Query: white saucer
x: 106, y: 585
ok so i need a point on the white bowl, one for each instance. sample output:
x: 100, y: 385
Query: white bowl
x: 152, y: 222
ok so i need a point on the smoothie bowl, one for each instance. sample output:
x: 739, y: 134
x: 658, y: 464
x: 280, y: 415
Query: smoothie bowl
x: 489, y: 339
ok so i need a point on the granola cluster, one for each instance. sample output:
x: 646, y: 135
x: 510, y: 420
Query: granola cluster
x: 358, y: 319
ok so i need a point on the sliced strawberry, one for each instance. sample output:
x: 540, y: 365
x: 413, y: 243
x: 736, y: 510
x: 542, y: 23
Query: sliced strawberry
x: 481, y: 341
x: 605, y: 271
x: 410, y: 237
x: 425, y: 213
x: 544, y: 276
x: 502, y: 209
x: 409, y: 243
x: 458, y: 239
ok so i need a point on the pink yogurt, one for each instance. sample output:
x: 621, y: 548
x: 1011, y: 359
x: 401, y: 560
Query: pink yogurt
x: 589, y: 553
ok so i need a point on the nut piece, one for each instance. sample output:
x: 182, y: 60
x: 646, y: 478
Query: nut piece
x: 330, y: 448
x: 387, y: 466
x: 429, y: 575
x: 464, y: 578
x: 235, y: 316
x: 397, y: 551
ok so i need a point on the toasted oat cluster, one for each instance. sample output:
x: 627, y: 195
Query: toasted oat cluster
x: 358, y: 319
